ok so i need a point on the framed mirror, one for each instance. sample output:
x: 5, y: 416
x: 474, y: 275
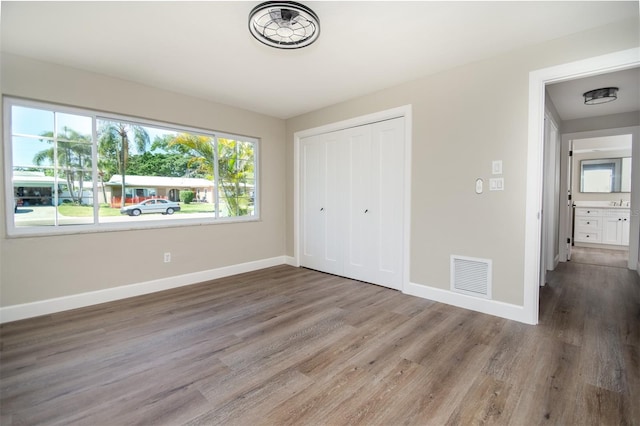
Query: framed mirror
x: 605, y: 175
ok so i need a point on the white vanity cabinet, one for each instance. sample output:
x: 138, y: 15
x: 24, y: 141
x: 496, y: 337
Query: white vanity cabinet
x: 615, y: 227
x: 601, y: 225
x: 588, y: 225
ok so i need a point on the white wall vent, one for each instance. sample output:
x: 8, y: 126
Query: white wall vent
x: 471, y: 276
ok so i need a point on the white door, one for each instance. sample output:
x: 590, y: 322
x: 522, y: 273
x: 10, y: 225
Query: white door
x: 321, y: 236
x: 361, y: 207
x: 544, y: 221
x: 375, y: 213
x: 566, y: 202
x: 388, y: 137
x: 352, y: 195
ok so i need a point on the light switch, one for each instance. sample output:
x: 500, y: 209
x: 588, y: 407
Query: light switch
x: 496, y: 167
x: 478, y: 186
x: 496, y: 184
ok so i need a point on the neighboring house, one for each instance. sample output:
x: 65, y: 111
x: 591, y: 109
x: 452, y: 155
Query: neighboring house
x: 140, y: 188
x: 35, y: 188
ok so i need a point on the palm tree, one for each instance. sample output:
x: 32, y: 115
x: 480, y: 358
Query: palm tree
x: 72, y: 154
x: 113, y: 148
x: 235, y: 166
x: 235, y: 169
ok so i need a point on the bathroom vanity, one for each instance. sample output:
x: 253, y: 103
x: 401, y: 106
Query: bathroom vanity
x: 601, y: 223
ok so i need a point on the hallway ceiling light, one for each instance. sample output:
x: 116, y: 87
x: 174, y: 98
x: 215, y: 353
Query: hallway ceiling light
x: 600, y: 96
x: 284, y: 24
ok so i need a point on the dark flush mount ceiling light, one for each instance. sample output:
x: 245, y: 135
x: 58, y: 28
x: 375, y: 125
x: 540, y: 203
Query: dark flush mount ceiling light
x: 284, y: 24
x: 600, y: 96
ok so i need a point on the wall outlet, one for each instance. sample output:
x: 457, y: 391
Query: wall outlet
x: 167, y: 257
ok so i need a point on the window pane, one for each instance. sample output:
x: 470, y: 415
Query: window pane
x: 154, y: 163
x: 31, y: 152
x: 74, y: 155
x: 73, y: 127
x: 75, y: 197
x: 237, y: 181
x: 32, y: 198
x: 31, y: 121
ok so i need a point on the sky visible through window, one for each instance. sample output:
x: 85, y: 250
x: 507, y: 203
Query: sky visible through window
x: 38, y: 122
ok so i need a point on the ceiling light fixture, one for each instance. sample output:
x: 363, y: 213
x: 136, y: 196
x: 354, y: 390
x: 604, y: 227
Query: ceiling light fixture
x: 284, y: 24
x: 600, y: 96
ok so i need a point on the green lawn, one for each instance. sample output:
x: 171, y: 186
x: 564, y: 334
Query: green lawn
x: 73, y: 210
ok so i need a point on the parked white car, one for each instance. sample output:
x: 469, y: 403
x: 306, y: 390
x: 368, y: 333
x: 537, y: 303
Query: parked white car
x: 156, y: 205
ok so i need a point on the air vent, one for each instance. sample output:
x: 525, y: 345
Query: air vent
x: 471, y: 276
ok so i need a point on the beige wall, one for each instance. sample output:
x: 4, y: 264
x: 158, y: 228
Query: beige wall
x: 46, y: 267
x: 627, y: 119
x: 462, y: 120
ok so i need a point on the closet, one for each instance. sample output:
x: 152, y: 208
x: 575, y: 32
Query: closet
x: 351, y: 202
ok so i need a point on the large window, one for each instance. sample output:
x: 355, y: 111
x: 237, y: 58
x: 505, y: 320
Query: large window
x: 71, y: 170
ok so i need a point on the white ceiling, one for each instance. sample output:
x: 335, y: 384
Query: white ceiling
x: 204, y: 49
x: 605, y: 143
x: 569, y: 102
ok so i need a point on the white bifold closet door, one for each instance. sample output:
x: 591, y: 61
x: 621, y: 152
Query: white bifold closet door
x: 352, y: 202
x: 321, y: 204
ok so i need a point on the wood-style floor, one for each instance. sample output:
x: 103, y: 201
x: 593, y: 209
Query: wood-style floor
x: 598, y: 256
x: 289, y: 346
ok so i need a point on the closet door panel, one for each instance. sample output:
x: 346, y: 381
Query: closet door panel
x: 333, y: 202
x: 361, y: 206
x: 388, y: 140
x: 321, y: 245
x: 312, y: 159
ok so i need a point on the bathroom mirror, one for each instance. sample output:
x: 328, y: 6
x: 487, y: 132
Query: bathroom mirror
x: 605, y: 175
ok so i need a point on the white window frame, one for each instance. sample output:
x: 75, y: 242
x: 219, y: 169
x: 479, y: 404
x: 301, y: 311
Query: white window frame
x: 18, y: 231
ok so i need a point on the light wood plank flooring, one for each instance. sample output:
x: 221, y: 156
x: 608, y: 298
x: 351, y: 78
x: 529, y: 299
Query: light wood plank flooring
x: 289, y: 346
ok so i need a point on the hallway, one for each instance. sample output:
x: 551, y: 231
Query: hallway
x: 593, y: 313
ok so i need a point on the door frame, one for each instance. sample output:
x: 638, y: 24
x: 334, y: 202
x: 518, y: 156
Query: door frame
x: 617, y: 61
x: 566, y: 211
x: 404, y: 111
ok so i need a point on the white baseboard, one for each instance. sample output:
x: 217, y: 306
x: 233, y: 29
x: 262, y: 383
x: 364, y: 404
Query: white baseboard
x: 291, y: 261
x: 74, y: 301
x: 486, y: 306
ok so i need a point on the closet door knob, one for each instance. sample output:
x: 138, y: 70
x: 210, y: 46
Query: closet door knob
x: 366, y: 210
x: 321, y: 209
x: 619, y: 218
